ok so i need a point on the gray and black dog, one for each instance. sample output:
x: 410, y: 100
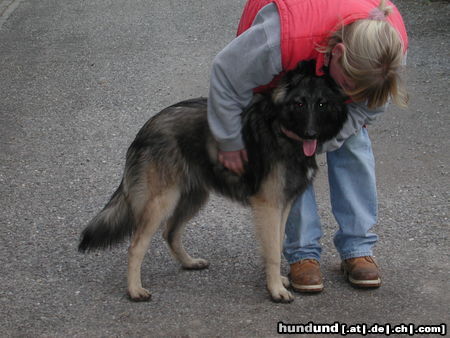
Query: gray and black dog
x: 172, y: 165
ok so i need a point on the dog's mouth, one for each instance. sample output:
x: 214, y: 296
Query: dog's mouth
x: 309, y: 145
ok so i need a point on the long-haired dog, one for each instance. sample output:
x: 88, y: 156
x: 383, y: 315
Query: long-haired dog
x: 172, y: 165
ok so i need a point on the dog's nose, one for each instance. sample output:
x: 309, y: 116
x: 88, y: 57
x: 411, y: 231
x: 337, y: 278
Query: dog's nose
x: 310, y: 133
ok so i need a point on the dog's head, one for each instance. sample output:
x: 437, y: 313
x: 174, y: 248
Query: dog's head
x: 310, y: 108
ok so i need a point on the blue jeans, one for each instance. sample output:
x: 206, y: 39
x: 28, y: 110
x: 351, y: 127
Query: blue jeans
x: 351, y: 176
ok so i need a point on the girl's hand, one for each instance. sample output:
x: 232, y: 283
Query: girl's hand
x: 233, y: 160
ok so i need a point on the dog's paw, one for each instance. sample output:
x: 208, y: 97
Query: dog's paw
x: 196, y: 264
x: 285, y: 281
x: 281, y: 295
x: 139, y: 295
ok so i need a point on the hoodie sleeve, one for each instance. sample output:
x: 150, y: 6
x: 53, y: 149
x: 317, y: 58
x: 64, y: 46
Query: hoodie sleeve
x: 358, y: 116
x: 251, y: 60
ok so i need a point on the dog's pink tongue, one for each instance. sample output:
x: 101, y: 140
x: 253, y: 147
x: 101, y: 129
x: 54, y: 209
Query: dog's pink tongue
x: 309, y: 147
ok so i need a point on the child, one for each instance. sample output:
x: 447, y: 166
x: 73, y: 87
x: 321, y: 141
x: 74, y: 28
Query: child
x: 362, y: 43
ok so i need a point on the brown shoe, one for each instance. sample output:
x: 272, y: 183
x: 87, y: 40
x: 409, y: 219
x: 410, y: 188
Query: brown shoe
x: 362, y: 272
x: 305, y: 276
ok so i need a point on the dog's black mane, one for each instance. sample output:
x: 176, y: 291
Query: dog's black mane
x: 263, y: 136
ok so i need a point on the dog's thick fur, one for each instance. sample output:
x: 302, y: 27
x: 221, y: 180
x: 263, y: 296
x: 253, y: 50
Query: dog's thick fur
x: 172, y: 165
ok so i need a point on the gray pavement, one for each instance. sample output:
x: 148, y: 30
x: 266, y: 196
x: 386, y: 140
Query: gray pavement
x: 79, y: 78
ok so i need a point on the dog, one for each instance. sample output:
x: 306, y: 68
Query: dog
x: 172, y: 165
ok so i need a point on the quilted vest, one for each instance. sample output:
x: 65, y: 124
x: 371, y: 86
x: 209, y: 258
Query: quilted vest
x: 307, y: 24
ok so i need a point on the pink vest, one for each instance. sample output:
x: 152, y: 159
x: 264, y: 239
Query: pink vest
x: 307, y: 24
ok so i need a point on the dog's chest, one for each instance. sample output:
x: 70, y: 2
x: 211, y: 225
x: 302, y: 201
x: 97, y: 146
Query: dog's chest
x: 298, y: 175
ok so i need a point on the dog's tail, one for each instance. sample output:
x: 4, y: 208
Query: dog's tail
x: 111, y: 226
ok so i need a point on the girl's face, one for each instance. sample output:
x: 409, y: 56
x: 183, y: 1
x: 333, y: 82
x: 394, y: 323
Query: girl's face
x: 336, y: 71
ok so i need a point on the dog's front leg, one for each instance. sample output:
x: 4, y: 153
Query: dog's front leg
x: 267, y: 218
x: 285, y: 215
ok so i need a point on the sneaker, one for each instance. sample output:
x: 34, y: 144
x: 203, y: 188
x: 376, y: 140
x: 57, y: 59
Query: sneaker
x: 361, y: 272
x: 305, y: 276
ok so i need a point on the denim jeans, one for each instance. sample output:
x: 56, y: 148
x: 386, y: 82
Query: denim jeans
x: 351, y: 176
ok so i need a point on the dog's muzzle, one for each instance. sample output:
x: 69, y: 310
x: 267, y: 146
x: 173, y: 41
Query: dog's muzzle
x: 309, y: 145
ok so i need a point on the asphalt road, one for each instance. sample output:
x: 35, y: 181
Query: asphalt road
x: 79, y: 78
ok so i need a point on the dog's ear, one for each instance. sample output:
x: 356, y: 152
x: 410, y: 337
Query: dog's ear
x: 279, y: 93
x: 303, y: 69
x: 307, y: 68
x: 292, y: 79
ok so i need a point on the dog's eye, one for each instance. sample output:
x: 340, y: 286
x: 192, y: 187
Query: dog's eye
x: 322, y: 104
x: 300, y: 104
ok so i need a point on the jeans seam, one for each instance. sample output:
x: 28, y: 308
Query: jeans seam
x: 356, y: 254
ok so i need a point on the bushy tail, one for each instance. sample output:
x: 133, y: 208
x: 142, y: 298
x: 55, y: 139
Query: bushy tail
x: 111, y: 226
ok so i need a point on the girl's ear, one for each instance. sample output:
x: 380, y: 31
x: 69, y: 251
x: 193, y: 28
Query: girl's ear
x: 338, y: 50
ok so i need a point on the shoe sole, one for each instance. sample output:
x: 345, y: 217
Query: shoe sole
x: 372, y: 283
x: 369, y: 283
x: 307, y: 288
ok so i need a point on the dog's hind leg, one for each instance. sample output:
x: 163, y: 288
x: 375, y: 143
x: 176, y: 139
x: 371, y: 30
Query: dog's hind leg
x: 157, y: 210
x: 188, y: 206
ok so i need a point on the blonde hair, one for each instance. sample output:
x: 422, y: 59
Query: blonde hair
x: 372, y: 58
